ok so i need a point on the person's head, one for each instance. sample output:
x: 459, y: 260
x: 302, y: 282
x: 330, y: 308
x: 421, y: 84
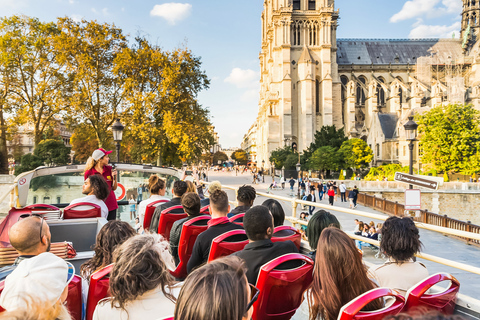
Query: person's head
x: 214, y: 185
x: 43, y: 277
x: 356, y: 221
x: 132, y: 197
x: 179, y: 188
x: 400, y: 239
x: 331, y: 187
x: 373, y: 230
x: 156, y: 185
x: 365, y: 227
x: 276, y: 210
x: 191, y: 186
x: 246, y: 195
x: 99, y: 157
x: 141, y: 264
x: 320, y: 220
x: 112, y: 234
x: 30, y: 235
x: 35, y: 309
x: 303, y: 215
x: 379, y: 225
x: 371, y: 223
x: 96, y: 185
x: 218, y: 290
x: 219, y: 203
x: 191, y: 203
x: 339, y: 275
x: 258, y: 223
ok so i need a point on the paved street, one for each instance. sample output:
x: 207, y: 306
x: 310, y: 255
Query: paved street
x: 434, y: 243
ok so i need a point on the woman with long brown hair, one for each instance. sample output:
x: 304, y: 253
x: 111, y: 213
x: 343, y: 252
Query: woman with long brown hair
x: 339, y: 276
x: 141, y: 285
x: 98, y: 164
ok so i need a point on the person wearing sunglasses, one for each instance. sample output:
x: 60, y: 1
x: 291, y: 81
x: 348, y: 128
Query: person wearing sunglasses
x: 30, y: 236
x: 218, y: 290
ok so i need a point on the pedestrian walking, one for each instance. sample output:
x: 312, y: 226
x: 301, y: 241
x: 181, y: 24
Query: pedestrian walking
x: 282, y: 181
x: 331, y: 195
x: 355, y: 196
x: 292, y: 183
x: 311, y: 198
x: 343, y: 190
x: 351, y: 195
x: 320, y: 190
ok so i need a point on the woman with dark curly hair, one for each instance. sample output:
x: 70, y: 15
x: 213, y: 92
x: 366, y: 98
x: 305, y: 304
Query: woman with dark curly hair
x: 112, y: 234
x: 217, y: 291
x: 140, y: 282
x: 400, y: 242
x: 320, y: 220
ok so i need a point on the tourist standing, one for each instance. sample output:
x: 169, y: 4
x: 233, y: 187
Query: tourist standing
x: 355, y: 196
x: 331, y: 195
x: 343, y: 189
x: 320, y: 190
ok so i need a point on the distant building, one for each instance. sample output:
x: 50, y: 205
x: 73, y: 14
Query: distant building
x: 249, y: 143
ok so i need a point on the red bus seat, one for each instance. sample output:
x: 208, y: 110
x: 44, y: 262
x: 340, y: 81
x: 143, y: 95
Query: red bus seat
x: 74, y: 298
x: 169, y: 318
x: 443, y: 302
x: 284, y: 233
x: 87, y: 210
x: 205, y: 210
x: 149, y: 210
x: 227, y: 243
x: 2, y: 285
x: 167, y: 218
x: 98, y: 289
x: 351, y: 311
x: 237, y: 219
x: 281, y: 291
x: 190, y: 231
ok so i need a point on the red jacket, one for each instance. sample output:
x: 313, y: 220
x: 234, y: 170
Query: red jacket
x: 331, y: 192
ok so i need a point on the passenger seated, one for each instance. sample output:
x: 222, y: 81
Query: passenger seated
x: 140, y: 283
x: 371, y: 234
x: 178, y: 190
x: 245, y: 197
x: 320, y: 220
x: 217, y: 290
x: 157, y: 189
x: 23, y: 236
x: 218, y: 225
x: 111, y: 236
x: 214, y: 185
x: 96, y: 190
x: 400, y: 242
x: 276, y: 210
x: 258, y: 224
x: 191, y: 205
x: 339, y: 276
x: 37, y: 310
x: 44, y: 277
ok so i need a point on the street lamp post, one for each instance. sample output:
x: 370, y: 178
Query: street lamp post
x: 411, y: 135
x: 117, y: 129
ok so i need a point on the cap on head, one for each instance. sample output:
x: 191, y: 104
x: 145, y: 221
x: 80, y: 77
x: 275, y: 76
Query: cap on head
x: 99, y: 153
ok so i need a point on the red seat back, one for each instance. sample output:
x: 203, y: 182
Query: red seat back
x: 190, y: 231
x: 2, y: 285
x: 284, y: 233
x: 227, y: 243
x: 74, y: 298
x: 149, y: 210
x: 98, y: 289
x: 167, y: 218
x: 281, y: 291
x: 351, y: 311
x: 237, y: 219
x: 442, y: 301
x: 72, y: 211
x: 205, y: 210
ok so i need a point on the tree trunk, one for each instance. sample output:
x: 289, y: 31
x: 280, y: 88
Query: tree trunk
x: 3, y: 144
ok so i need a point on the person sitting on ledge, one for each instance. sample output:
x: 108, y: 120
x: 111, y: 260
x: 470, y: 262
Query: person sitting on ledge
x: 96, y: 190
x: 258, y: 224
x: 245, y: 197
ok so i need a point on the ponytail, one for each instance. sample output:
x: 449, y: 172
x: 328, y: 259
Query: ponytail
x: 155, y: 184
x: 90, y: 164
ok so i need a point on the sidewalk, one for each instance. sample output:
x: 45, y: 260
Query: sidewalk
x: 434, y: 243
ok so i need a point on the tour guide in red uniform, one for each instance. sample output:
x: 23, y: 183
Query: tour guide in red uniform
x: 98, y: 164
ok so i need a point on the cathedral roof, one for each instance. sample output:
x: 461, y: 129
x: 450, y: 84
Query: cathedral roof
x: 388, y: 122
x: 395, y: 51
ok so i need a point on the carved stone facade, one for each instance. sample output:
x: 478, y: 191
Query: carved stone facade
x: 367, y: 86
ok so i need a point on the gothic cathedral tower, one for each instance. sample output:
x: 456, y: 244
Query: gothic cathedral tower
x: 299, y: 74
x: 470, y: 17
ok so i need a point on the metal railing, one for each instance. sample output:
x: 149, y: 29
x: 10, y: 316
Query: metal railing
x: 424, y: 216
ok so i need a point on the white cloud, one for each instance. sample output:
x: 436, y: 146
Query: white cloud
x: 428, y: 8
x: 105, y: 11
x: 172, y: 12
x: 71, y: 1
x: 427, y: 31
x: 243, y: 78
x: 94, y: 10
x: 76, y: 17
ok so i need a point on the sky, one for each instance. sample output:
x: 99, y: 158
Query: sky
x: 226, y: 35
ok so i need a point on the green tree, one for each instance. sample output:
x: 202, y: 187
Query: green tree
x: 52, y: 152
x: 326, y: 158
x: 219, y: 156
x: 449, y: 138
x: 326, y: 136
x: 356, y: 154
x: 83, y: 141
x: 279, y: 157
x: 240, y: 156
x: 28, y: 162
x: 388, y: 171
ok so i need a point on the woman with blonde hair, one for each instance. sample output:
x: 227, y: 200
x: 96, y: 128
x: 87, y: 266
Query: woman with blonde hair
x: 140, y: 282
x: 157, y: 189
x: 98, y: 164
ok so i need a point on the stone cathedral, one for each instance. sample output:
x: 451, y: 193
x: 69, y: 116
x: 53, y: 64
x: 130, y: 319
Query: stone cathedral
x: 309, y: 79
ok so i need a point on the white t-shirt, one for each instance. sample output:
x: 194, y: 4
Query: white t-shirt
x: 151, y: 305
x: 92, y: 199
x: 142, y: 206
x: 343, y: 188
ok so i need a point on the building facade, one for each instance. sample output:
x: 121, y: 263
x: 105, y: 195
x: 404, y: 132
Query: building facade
x: 309, y: 79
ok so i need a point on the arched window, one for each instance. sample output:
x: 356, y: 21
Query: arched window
x: 400, y: 94
x: 296, y: 4
x: 380, y: 94
x: 317, y: 96
x: 361, y: 92
x: 311, y: 4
